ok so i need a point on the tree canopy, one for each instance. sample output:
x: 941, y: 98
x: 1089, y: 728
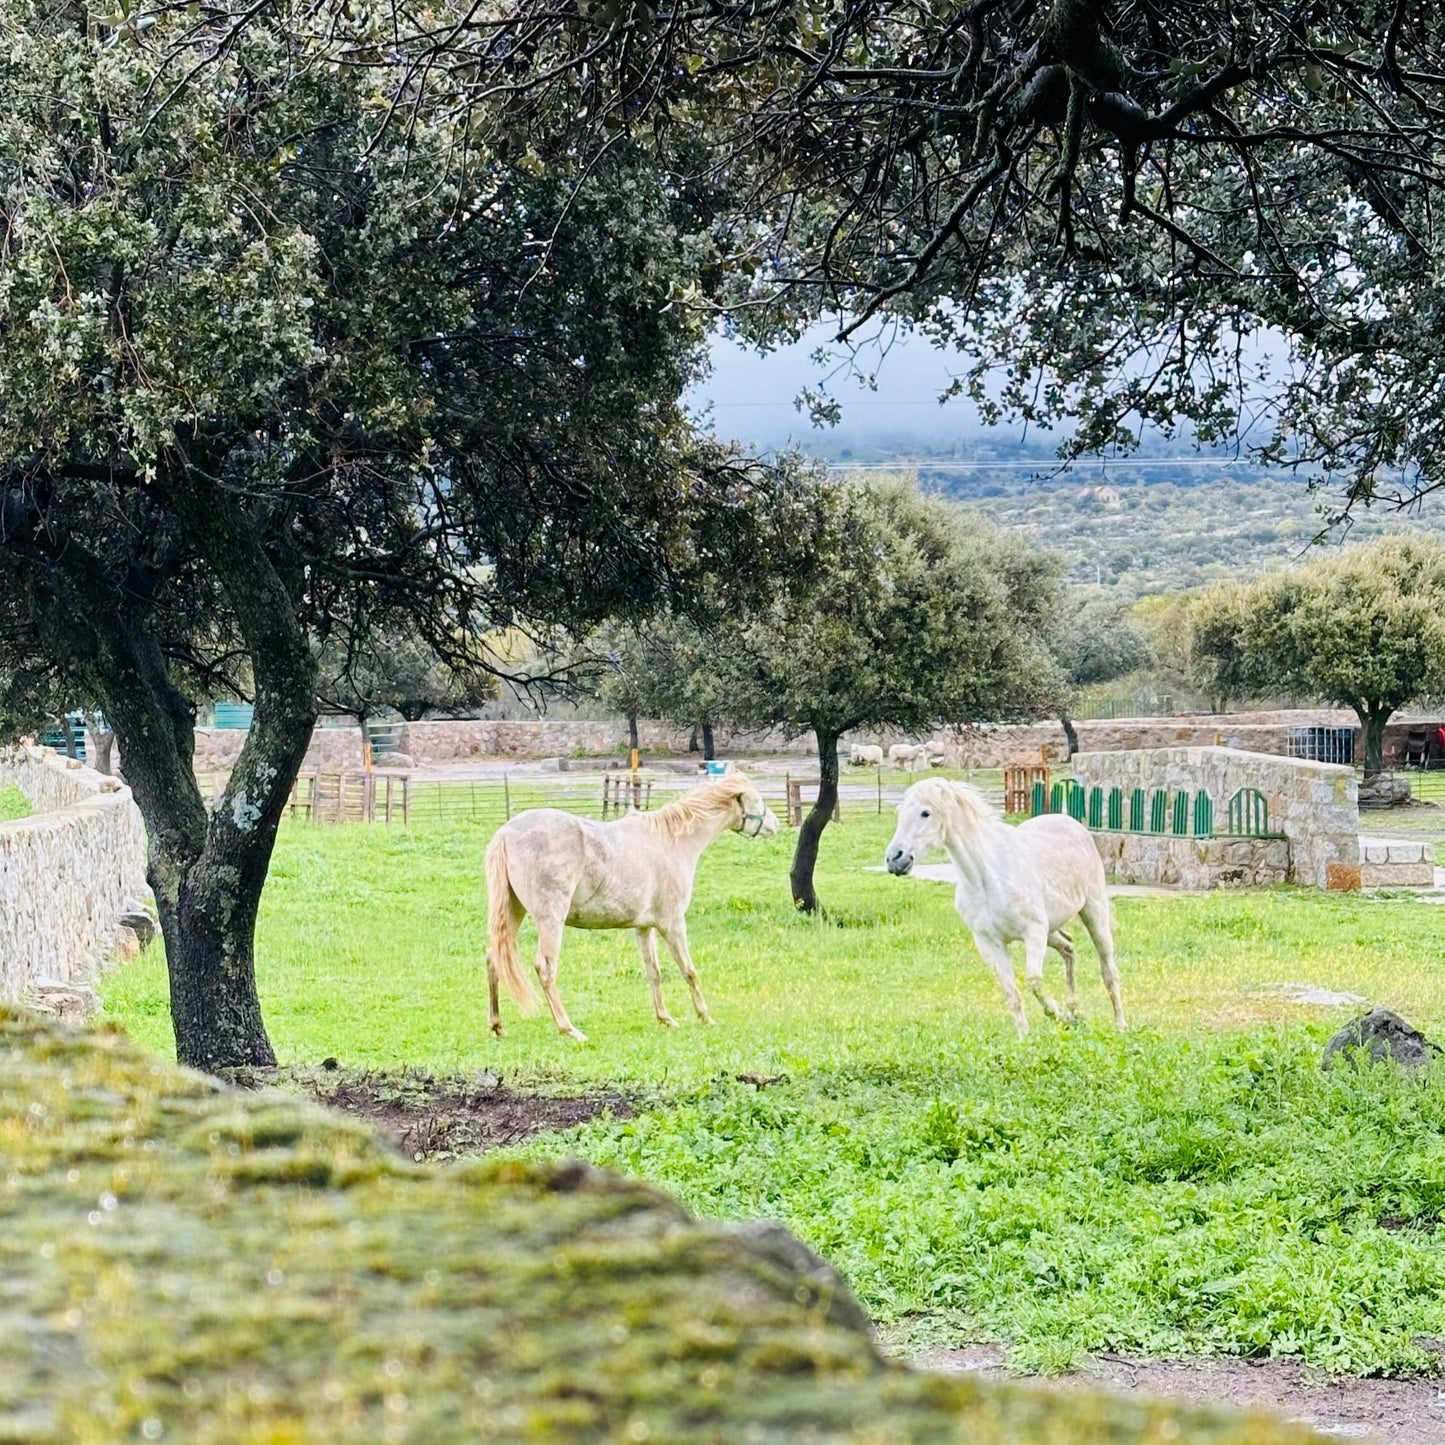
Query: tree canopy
x: 1097, y: 640
x: 282, y: 369
x: 1122, y: 214
x: 921, y: 618
x: 1364, y: 629
x: 401, y: 673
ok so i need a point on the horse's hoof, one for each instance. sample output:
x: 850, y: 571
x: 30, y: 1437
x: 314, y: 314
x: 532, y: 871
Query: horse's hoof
x: 706, y: 1019
x: 576, y: 1034
x: 667, y: 1021
x: 498, y: 1031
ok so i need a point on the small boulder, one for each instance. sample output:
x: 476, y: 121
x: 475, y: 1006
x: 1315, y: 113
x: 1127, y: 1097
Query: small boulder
x: 395, y: 761
x: 1385, y: 1035
x: 1384, y: 790
x: 61, y: 999
x: 139, y: 923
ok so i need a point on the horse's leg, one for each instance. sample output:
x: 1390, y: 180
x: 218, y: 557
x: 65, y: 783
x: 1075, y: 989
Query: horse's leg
x: 647, y: 943
x: 494, y: 1012
x: 996, y: 955
x: 676, y: 937
x: 549, y: 945
x: 1036, y: 945
x: 1063, y: 945
x: 1101, y: 929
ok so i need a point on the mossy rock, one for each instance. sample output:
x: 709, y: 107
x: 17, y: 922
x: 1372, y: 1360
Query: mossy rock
x: 184, y: 1262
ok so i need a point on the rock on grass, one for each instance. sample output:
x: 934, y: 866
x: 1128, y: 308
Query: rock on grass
x: 1382, y: 1035
x: 184, y: 1262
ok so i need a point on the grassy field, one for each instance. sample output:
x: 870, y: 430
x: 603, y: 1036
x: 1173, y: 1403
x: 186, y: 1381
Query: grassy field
x: 1195, y: 1185
x: 13, y: 804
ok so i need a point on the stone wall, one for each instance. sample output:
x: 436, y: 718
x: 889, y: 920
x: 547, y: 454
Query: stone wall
x: 1194, y: 862
x: 67, y: 872
x: 1018, y: 744
x: 474, y: 739
x: 331, y: 750
x: 462, y: 740
x: 1396, y: 863
x: 1314, y: 805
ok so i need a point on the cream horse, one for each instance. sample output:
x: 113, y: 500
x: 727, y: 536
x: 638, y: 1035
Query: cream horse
x: 1014, y: 884
x: 635, y: 872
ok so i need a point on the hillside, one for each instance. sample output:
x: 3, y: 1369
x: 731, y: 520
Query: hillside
x: 1163, y: 525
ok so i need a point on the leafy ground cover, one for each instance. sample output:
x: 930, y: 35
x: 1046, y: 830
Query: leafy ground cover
x: 13, y: 804
x: 1195, y: 1185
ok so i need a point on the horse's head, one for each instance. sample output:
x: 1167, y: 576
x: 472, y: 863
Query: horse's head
x: 754, y: 818
x: 929, y: 812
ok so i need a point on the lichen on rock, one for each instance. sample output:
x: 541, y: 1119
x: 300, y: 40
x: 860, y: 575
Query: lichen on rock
x: 180, y: 1261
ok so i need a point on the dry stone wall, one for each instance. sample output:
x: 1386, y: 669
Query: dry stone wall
x: 462, y: 740
x: 1315, y: 806
x: 1194, y: 862
x: 67, y: 872
x: 331, y: 750
x: 1019, y: 744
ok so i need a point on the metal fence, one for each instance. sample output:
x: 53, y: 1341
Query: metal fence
x: 403, y: 799
x: 1323, y: 744
x: 1108, y: 708
x: 1180, y: 814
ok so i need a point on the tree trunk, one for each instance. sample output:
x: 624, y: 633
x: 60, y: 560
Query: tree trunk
x: 1069, y: 733
x: 1372, y: 723
x: 207, y: 869
x: 632, y: 731
x: 708, y: 751
x: 68, y: 733
x: 692, y: 744
x: 209, y: 932
x: 805, y: 857
x: 104, y: 740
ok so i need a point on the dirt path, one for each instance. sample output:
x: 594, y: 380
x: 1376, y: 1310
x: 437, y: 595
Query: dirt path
x: 1401, y: 1412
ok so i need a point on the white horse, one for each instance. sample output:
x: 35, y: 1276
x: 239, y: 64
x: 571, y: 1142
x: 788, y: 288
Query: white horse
x: 1014, y: 884
x: 635, y: 872
x: 863, y: 755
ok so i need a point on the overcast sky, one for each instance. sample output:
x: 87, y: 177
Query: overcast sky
x: 752, y: 396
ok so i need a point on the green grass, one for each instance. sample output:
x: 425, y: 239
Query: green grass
x: 1195, y: 1185
x: 13, y: 804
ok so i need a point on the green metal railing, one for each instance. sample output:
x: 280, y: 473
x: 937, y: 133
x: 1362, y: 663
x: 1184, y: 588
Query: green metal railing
x: 1178, y: 814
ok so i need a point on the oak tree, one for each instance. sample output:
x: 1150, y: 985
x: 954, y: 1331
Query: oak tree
x: 922, y: 617
x: 1364, y: 629
x: 279, y: 365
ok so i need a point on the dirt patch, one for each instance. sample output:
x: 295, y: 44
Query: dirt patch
x: 438, y: 1118
x: 1401, y: 1412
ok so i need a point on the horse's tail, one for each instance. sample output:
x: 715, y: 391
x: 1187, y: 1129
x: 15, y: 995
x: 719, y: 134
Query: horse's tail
x: 502, y: 931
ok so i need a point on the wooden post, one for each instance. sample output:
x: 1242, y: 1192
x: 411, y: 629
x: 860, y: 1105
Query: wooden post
x: 406, y: 801
x: 879, y: 776
x: 507, y: 796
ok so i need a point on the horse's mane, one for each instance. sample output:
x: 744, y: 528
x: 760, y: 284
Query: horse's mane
x: 707, y: 801
x: 962, y: 799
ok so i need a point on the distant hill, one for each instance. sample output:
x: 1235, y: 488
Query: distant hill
x: 1152, y: 524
